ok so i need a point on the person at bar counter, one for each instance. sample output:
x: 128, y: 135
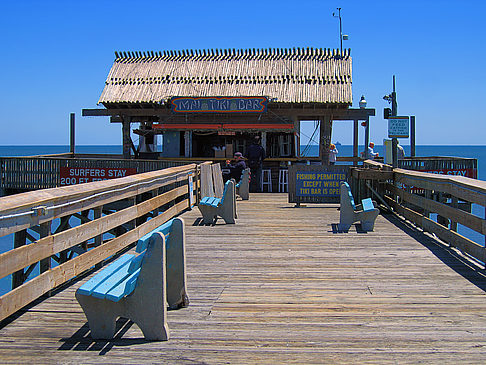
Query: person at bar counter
x: 255, y: 155
x: 333, y: 152
x: 234, y: 168
x: 371, y: 153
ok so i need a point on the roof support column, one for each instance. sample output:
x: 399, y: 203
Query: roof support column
x: 325, y: 139
x: 126, y: 140
x: 355, y: 141
x: 367, y: 137
x: 296, y: 121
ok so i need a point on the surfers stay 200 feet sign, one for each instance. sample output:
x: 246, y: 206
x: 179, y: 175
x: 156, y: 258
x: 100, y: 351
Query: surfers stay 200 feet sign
x: 79, y: 175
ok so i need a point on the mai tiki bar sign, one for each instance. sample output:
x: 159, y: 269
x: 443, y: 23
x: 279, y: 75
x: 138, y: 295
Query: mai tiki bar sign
x: 219, y: 104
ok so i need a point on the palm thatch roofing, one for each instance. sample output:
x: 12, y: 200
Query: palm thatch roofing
x: 299, y: 75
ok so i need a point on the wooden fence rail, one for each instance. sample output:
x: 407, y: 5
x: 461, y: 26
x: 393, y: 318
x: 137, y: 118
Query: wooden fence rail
x: 43, y: 172
x: 125, y: 209
x: 418, y: 195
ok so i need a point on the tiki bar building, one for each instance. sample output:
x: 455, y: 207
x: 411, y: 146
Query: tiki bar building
x: 207, y: 104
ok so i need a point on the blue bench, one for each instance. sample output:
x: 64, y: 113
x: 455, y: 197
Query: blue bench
x: 243, y: 186
x: 365, y: 213
x: 139, y: 286
x: 224, y: 207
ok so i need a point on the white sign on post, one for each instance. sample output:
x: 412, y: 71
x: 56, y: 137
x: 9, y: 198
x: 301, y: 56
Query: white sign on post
x: 191, y: 191
x: 398, y: 127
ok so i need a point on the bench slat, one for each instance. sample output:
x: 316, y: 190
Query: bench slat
x: 117, y: 277
x: 143, y: 241
x: 124, y: 288
x: 367, y: 204
x: 88, y: 287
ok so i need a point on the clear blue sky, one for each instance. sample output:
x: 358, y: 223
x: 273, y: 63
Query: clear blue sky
x: 56, y: 56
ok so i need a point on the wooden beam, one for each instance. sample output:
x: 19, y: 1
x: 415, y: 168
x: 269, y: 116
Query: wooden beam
x: 300, y: 113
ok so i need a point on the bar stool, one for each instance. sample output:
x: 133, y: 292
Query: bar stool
x: 283, y: 181
x: 267, y: 179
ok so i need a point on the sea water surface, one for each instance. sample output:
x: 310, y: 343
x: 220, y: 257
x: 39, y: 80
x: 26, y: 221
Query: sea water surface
x: 478, y: 152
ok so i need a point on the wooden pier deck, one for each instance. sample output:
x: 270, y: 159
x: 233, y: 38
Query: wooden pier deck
x: 282, y: 287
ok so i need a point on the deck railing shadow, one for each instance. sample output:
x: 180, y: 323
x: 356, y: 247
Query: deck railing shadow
x: 447, y: 255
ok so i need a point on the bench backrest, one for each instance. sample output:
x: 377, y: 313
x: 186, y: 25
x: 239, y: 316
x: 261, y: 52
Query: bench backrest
x: 164, y: 229
x: 226, y: 187
x: 245, y: 175
x: 217, y: 180
x: 346, y: 190
x: 125, y: 269
x: 207, y: 186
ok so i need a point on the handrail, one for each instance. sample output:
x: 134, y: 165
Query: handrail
x: 417, y: 195
x: 125, y: 202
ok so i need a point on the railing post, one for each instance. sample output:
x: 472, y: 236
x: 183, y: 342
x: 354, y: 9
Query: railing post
x: 45, y: 230
x: 20, y: 239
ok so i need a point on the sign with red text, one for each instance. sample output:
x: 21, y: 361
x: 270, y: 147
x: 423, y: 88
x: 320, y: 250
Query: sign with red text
x: 80, y: 175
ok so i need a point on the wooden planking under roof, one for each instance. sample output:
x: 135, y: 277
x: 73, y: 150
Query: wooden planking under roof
x: 295, y: 75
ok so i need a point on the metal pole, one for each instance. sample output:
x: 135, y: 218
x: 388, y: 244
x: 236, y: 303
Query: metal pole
x: 412, y: 135
x: 394, y: 112
x: 72, y: 133
x: 340, y: 31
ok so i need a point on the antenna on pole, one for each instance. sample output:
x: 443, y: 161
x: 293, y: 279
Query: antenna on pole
x: 341, y: 35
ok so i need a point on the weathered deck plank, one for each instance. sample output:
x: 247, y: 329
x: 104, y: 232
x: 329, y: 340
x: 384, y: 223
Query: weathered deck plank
x: 281, y: 287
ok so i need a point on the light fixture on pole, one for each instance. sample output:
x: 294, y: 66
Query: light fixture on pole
x: 362, y: 102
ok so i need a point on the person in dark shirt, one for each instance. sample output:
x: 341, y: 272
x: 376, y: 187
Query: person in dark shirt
x: 234, y: 168
x: 255, y: 155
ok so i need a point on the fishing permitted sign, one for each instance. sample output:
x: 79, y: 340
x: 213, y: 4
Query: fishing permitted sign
x: 398, y: 127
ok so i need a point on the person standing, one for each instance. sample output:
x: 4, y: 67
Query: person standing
x: 333, y: 152
x: 255, y: 155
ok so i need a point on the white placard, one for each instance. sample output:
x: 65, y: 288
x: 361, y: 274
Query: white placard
x: 191, y: 191
x: 398, y: 127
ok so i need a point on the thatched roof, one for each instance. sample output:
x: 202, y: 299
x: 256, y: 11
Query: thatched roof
x: 284, y: 75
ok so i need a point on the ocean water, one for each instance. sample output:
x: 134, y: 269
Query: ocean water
x: 479, y: 152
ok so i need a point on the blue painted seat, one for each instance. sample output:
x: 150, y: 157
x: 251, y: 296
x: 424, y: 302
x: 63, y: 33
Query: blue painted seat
x: 139, y: 286
x: 224, y: 207
x: 365, y: 213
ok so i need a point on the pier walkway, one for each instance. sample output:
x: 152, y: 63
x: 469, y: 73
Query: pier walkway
x: 281, y: 286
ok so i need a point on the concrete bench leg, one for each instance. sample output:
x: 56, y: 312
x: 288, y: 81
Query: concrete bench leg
x: 146, y: 306
x: 176, y: 267
x: 101, y: 316
x: 208, y: 213
x: 367, y: 219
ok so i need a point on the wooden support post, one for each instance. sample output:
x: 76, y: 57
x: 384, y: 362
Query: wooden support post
x: 412, y: 136
x: 325, y: 139
x: 98, y: 240
x: 63, y: 225
x: 20, y: 239
x: 45, y: 230
x: 367, y: 138
x: 455, y: 206
x: 355, y: 141
x: 127, y: 142
x: 72, y: 142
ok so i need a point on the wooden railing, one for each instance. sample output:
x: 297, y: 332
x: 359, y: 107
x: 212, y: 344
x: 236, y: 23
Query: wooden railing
x: 68, y: 230
x: 43, y: 172
x: 436, y: 203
